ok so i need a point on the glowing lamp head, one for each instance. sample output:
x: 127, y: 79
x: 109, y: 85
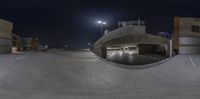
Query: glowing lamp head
x: 104, y: 23
x: 99, y: 22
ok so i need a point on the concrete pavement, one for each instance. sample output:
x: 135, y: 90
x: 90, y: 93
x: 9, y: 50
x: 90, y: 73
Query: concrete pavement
x: 82, y: 75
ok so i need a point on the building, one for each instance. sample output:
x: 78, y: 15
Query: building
x: 16, y: 43
x: 186, y: 35
x: 34, y: 44
x: 164, y: 34
x: 6, y: 28
x: 131, y: 37
x: 30, y: 44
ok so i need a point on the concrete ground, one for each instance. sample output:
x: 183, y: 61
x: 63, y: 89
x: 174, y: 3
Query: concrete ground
x: 82, y: 75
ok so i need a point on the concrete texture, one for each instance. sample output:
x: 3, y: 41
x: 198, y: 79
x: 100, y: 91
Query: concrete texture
x: 82, y: 75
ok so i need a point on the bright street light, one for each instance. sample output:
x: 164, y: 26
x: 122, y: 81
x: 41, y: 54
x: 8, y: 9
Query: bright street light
x: 101, y: 24
x: 104, y: 23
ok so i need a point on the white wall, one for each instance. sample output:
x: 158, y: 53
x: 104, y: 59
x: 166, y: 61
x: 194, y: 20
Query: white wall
x: 189, y: 45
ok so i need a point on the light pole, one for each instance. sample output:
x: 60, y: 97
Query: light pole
x: 101, y: 24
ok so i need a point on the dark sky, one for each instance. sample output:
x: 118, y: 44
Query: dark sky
x: 72, y: 22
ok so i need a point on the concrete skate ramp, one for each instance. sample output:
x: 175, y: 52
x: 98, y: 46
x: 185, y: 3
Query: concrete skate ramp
x: 82, y: 75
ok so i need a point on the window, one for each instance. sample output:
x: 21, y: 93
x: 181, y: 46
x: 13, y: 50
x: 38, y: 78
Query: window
x: 196, y: 29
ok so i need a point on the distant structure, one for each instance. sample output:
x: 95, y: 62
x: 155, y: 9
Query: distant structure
x: 10, y: 42
x: 131, y: 37
x: 6, y: 28
x: 164, y: 34
x: 42, y: 48
x: 138, y: 25
x: 30, y: 44
x: 34, y: 44
x: 186, y: 35
x: 16, y: 43
x: 131, y: 23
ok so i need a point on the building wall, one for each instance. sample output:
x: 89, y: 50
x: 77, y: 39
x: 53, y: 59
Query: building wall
x: 175, y: 34
x: 5, y: 36
x: 186, y: 35
x: 16, y: 42
x: 189, y: 45
x: 186, y: 25
x: 26, y: 44
x: 34, y: 44
x: 30, y: 44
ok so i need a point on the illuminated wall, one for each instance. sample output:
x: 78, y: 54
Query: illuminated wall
x: 186, y: 36
x: 5, y: 36
x: 189, y: 27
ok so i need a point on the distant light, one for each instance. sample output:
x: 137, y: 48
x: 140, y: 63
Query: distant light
x: 112, y: 54
x: 104, y: 23
x: 66, y: 46
x: 131, y: 52
x: 100, y: 22
x: 89, y: 44
x: 120, y: 53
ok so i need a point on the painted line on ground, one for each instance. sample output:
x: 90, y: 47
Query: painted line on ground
x: 191, y: 60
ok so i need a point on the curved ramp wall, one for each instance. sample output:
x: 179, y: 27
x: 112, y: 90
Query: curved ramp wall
x: 5, y: 36
x: 124, y: 35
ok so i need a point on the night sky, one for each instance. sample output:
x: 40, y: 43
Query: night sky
x: 72, y: 22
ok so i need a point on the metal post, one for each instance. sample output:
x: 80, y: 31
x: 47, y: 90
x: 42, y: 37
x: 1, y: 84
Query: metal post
x: 171, y: 48
x: 101, y: 27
